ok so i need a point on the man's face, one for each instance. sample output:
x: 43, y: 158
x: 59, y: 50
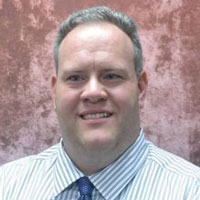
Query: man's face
x: 96, y: 89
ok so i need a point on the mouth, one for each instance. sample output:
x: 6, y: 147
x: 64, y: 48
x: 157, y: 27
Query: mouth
x: 92, y: 116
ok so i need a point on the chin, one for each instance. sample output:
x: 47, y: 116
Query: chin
x: 99, y: 141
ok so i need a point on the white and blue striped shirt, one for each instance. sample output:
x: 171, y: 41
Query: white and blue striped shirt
x: 143, y: 172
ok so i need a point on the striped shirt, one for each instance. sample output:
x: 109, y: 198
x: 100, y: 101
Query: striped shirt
x: 143, y: 172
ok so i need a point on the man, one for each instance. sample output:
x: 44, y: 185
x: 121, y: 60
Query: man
x: 103, y: 154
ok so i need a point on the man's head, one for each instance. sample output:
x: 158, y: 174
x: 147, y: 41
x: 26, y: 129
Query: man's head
x: 101, y: 14
x: 96, y: 92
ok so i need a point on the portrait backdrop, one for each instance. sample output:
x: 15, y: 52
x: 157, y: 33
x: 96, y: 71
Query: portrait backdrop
x: 170, y: 36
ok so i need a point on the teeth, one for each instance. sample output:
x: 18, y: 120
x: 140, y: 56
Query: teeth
x: 96, y: 116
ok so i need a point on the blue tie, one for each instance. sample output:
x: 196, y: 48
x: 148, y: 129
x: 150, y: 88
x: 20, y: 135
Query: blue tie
x: 85, y: 188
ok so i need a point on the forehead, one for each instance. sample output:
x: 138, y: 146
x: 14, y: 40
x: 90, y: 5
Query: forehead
x: 96, y: 35
x: 99, y: 42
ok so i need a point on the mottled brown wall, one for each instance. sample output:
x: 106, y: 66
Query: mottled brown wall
x: 170, y: 34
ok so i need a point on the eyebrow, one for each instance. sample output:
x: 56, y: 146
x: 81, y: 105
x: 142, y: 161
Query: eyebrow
x: 67, y: 70
x: 102, y: 68
x: 113, y: 69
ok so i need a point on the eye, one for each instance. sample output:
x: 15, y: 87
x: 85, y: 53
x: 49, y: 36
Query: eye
x: 112, y: 76
x: 75, y: 78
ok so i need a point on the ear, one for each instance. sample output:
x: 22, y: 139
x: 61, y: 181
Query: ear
x: 142, y: 84
x: 53, y: 89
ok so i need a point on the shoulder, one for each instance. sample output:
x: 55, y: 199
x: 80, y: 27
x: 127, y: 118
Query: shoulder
x: 173, y: 164
x: 24, y: 165
x: 175, y: 174
x: 27, y: 176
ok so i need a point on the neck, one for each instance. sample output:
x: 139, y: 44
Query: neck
x: 91, y: 161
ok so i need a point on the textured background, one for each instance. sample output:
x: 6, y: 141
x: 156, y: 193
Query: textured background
x: 170, y: 34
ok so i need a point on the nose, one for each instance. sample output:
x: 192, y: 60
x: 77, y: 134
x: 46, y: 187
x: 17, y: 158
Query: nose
x: 94, y: 91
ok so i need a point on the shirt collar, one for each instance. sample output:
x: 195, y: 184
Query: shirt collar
x: 66, y: 172
x: 111, y: 180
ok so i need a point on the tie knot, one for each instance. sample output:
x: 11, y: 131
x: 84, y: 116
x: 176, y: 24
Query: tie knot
x: 85, y: 186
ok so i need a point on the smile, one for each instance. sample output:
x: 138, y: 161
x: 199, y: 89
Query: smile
x: 96, y: 116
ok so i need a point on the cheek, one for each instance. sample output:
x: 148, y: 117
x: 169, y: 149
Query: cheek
x: 126, y: 98
x: 67, y: 101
